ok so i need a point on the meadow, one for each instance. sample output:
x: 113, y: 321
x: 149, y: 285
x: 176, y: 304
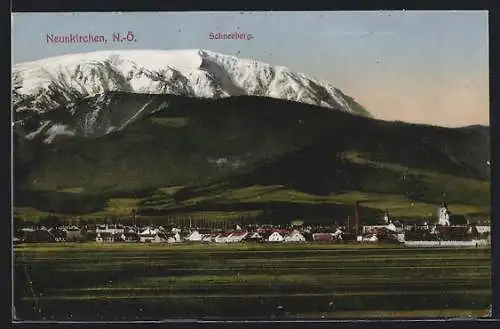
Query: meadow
x: 92, y: 281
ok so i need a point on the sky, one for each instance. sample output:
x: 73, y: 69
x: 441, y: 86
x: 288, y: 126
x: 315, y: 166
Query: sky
x: 416, y: 66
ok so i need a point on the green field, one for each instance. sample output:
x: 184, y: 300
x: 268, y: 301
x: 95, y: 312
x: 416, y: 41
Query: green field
x: 141, y: 282
x: 236, y: 205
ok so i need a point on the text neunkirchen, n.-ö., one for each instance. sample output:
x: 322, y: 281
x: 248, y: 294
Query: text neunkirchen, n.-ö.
x: 75, y: 38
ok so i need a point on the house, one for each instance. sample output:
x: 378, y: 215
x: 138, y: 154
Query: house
x: 322, y: 237
x: 195, y: 236
x: 275, y: 237
x: 237, y: 236
x: 130, y: 237
x: 101, y: 228
x: 39, y: 235
x: 104, y: 237
x: 113, y: 229
x: 163, y: 236
x: 147, y: 236
x: 391, y: 227
x: 337, y: 235
x: 294, y: 236
x: 366, y: 229
x: 416, y: 225
x: 173, y: 238
x: 25, y: 230
x: 283, y: 232
x: 148, y: 231
x: 58, y: 234
x: 19, y: 234
x: 73, y: 233
x: 457, y: 233
x: 151, y: 235
x: 482, y: 229
x: 222, y: 238
x: 117, y: 237
x: 131, y: 229
x: 151, y: 238
x: 369, y: 238
x: 254, y: 237
x: 209, y: 237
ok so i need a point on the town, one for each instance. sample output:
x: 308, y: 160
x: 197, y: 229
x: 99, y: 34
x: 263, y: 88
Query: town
x: 448, y: 230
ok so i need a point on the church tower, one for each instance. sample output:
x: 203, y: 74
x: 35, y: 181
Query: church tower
x: 443, y: 215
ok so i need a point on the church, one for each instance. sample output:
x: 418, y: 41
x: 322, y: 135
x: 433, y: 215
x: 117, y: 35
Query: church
x: 446, y: 218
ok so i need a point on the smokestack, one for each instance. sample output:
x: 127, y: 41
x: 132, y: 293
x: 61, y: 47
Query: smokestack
x: 356, y: 218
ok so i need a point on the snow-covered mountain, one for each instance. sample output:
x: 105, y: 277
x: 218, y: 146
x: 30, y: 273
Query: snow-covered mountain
x: 63, y: 82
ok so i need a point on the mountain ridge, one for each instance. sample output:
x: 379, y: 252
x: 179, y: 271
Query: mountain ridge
x: 65, y: 81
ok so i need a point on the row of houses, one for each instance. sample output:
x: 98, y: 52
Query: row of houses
x: 244, y: 235
x: 391, y: 231
x: 117, y: 233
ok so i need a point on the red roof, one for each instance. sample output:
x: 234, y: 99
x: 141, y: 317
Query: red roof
x: 322, y: 236
x: 239, y: 233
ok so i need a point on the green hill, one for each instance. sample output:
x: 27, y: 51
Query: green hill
x: 256, y: 159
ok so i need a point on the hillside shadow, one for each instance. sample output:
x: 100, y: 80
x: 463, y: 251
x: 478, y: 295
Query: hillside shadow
x: 393, y: 157
x: 297, y: 146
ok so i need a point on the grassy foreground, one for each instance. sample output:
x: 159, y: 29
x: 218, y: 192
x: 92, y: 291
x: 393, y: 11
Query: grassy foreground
x: 145, y: 282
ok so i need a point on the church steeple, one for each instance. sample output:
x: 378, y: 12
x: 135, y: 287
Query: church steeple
x: 443, y: 215
x: 386, y: 217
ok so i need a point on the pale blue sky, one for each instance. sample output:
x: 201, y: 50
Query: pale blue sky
x: 414, y: 66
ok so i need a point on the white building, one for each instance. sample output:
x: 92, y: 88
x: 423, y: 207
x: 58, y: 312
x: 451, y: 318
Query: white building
x: 148, y: 231
x: 150, y: 235
x: 208, y: 238
x: 195, y: 236
x: 238, y: 236
x: 112, y: 229
x: 275, y: 237
x: 393, y: 228
x: 370, y: 238
x: 102, y: 237
x: 371, y: 228
x: 338, y: 234
x: 294, y: 236
x: 255, y: 236
x: 483, y: 229
x: 151, y: 238
x: 174, y: 239
x: 73, y: 233
x: 221, y: 238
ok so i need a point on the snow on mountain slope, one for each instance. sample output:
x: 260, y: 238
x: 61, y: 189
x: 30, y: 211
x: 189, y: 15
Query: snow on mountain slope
x: 63, y: 81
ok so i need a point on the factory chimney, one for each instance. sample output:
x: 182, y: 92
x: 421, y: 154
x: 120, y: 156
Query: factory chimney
x: 356, y: 218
